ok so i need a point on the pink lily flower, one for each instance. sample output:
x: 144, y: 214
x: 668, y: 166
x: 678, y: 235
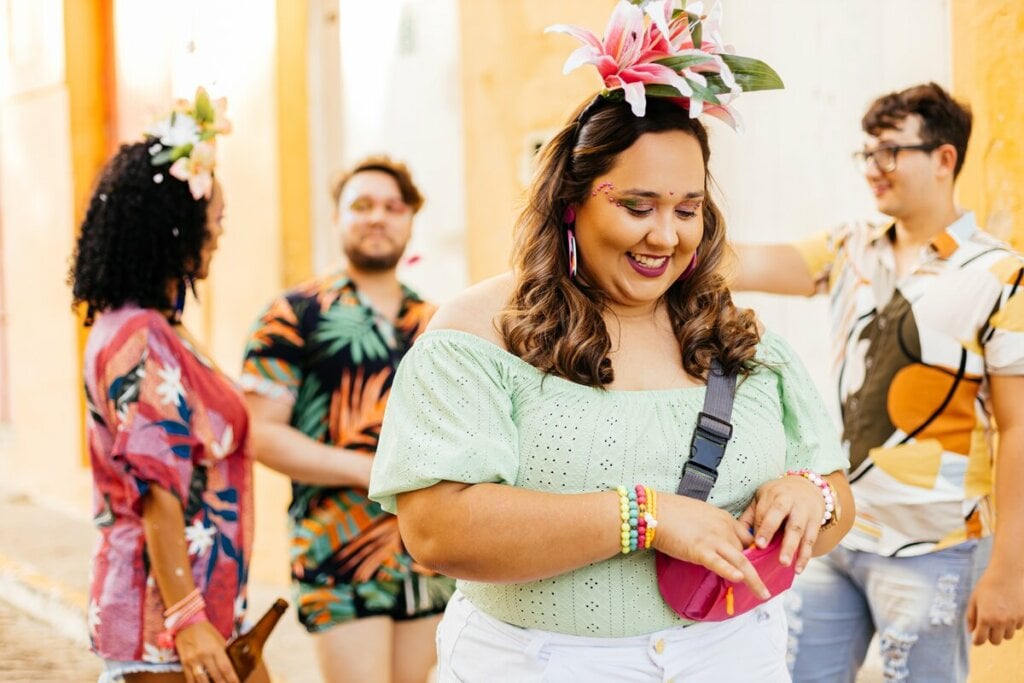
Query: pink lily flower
x: 625, y: 57
x: 197, y: 169
x: 221, y: 125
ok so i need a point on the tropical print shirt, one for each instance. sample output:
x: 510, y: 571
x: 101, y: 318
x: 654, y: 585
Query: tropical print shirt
x: 913, y: 356
x: 324, y: 348
x: 161, y: 415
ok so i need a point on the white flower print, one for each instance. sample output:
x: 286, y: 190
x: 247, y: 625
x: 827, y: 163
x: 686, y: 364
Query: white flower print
x: 170, y: 389
x: 199, y: 537
x: 93, y: 619
x: 158, y: 655
x: 240, y: 607
x: 226, y: 445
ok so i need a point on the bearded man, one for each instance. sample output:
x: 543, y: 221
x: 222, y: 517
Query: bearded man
x: 318, y: 369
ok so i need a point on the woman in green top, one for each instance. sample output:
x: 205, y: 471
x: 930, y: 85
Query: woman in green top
x: 533, y: 396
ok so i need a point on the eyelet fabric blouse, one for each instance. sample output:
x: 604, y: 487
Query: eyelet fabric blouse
x: 462, y: 409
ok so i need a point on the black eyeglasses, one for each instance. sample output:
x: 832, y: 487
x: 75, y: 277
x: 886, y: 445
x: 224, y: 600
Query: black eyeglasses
x: 885, y: 156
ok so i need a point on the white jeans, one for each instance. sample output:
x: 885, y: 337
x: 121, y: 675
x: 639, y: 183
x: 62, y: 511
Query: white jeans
x: 473, y: 647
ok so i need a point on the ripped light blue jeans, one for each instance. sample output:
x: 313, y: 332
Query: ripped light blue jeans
x: 917, y: 605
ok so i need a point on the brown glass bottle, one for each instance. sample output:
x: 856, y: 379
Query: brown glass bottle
x: 246, y: 651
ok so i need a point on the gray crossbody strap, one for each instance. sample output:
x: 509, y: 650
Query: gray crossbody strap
x: 714, y: 429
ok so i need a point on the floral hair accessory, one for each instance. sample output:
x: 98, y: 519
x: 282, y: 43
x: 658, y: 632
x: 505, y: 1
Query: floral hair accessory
x: 187, y: 138
x: 651, y: 48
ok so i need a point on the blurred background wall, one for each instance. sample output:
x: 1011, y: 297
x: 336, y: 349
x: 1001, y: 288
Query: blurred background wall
x: 465, y: 91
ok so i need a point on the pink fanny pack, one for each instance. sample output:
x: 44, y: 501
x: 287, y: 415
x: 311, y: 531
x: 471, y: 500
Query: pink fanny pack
x: 693, y: 591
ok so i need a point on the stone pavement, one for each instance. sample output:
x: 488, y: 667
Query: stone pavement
x: 44, y: 566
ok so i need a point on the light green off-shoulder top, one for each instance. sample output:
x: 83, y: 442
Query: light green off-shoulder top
x: 462, y: 409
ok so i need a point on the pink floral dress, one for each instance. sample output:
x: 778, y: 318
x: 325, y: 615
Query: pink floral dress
x: 161, y: 414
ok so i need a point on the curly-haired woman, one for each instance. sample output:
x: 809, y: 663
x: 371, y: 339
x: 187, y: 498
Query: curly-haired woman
x: 167, y: 431
x: 533, y: 397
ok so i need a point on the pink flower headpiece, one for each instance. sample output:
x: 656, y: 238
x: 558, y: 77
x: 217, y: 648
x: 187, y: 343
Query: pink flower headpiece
x: 187, y: 138
x: 650, y: 48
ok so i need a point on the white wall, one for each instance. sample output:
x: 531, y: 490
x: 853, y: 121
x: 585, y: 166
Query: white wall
x: 37, y: 219
x: 401, y: 95
x: 790, y: 174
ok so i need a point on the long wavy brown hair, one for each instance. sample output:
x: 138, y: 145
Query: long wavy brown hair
x: 554, y: 322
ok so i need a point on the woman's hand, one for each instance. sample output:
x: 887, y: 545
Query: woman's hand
x: 793, y: 501
x: 698, y: 532
x: 203, y: 657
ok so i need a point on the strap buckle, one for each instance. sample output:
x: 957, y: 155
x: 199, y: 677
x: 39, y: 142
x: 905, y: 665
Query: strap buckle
x: 707, y: 447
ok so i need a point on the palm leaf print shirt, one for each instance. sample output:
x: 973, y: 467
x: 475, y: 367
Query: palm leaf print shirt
x: 912, y: 356
x: 323, y: 348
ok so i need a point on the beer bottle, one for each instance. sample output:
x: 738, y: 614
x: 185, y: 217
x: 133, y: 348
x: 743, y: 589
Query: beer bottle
x: 246, y: 651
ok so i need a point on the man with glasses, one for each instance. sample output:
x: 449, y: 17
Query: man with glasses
x: 318, y: 369
x: 927, y: 321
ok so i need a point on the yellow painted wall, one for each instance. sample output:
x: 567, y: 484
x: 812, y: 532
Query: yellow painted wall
x: 988, y: 47
x: 511, y: 94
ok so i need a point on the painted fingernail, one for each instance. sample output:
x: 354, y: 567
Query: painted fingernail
x: 784, y: 560
x: 762, y: 541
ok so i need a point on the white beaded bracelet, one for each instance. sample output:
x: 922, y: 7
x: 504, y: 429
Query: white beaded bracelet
x: 824, y: 487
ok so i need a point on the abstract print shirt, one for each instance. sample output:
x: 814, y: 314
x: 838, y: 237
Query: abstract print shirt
x: 324, y: 348
x: 161, y: 415
x: 912, y: 357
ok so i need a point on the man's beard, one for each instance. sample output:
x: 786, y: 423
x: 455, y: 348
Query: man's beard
x: 375, y: 263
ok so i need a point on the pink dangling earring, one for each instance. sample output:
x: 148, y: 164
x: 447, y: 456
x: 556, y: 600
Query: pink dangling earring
x: 689, y: 269
x: 570, y: 219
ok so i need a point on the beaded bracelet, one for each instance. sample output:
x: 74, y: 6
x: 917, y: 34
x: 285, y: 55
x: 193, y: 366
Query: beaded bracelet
x: 637, y: 511
x: 188, y: 611
x: 823, y: 487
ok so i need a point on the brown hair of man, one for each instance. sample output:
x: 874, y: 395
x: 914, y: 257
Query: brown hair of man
x: 943, y: 119
x: 384, y: 164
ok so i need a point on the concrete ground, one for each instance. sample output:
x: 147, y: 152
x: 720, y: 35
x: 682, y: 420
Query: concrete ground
x: 44, y: 566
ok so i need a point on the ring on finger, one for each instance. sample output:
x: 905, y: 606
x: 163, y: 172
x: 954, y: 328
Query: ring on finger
x: 199, y: 670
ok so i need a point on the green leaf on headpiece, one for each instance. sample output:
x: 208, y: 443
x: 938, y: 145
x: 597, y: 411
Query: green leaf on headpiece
x: 204, y: 108
x: 207, y: 134
x: 699, y: 92
x: 703, y: 92
x: 181, y: 151
x: 696, y: 29
x: 161, y: 157
x: 684, y: 61
x: 753, y: 74
x: 661, y: 90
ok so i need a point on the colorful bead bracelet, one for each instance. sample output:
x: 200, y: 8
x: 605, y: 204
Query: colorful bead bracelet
x: 638, y: 515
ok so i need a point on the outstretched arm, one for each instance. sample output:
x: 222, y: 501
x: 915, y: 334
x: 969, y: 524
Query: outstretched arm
x: 772, y: 268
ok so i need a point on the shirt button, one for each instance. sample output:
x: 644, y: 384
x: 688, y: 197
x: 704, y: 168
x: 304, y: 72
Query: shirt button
x: 659, y: 646
x: 854, y: 404
x: 881, y: 323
